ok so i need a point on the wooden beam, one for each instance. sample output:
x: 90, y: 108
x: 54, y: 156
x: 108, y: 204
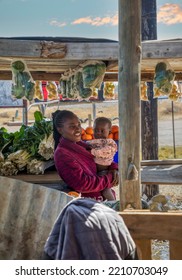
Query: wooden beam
x: 109, y: 77
x: 155, y: 49
x: 165, y: 49
x: 74, y: 51
x: 153, y: 225
x: 162, y: 174
x: 161, y: 162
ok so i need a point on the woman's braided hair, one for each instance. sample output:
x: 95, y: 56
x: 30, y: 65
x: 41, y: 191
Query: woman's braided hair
x: 59, y: 117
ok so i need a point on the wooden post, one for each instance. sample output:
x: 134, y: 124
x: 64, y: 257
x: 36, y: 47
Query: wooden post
x: 94, y: 110
x: 149, y: 119
x: 89, y: 120
x: 129, y: 102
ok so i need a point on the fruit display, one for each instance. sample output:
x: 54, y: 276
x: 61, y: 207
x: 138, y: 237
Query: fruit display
x: 87, y: 133
x: 144, y: 95
x: 175, y: 94
x: 38, y: 93
x: 52, y: 90
x: 109, y: 90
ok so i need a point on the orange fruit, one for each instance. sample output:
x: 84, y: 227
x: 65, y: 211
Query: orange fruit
x: 86, y: 137
x: 73, y: 193
x: 89, y: 130
x: 114, y: 128
x: 110, y: 136
x: 116, y: 135
x: 83, y: 131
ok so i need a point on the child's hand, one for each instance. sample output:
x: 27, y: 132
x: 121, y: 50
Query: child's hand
x: 115, y: 174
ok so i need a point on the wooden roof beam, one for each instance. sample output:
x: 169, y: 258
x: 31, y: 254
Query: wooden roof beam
x: 11, y: 48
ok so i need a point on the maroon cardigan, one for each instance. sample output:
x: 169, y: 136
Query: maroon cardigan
x: 76, y: 166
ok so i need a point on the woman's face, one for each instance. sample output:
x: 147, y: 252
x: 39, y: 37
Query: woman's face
x: 71, y: 129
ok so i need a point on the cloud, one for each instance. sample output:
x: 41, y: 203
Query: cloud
x: 54, y: 22
x: 97, y: 21
x: 170, y: 14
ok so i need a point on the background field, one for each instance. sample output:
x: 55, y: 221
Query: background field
x: 110, y: 109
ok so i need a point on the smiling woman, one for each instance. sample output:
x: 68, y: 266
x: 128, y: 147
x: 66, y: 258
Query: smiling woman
x: 73, y: 160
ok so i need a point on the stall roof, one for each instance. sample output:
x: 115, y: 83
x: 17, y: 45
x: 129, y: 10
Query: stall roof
x: 47, y: 58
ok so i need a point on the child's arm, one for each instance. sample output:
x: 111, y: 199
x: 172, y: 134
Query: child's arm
x: 113, y: 166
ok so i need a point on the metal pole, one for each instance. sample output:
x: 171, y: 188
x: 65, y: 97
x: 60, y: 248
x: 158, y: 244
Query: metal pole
x: 174, y: 145
x: 25, y: 112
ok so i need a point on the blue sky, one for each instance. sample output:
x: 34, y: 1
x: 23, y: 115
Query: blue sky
x: 79, y: 18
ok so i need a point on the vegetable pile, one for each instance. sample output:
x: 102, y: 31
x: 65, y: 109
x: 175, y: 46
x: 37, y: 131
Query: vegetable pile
x: 28, y: 149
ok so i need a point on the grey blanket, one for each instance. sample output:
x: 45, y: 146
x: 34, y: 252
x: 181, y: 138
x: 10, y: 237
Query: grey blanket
x: 89, y: 230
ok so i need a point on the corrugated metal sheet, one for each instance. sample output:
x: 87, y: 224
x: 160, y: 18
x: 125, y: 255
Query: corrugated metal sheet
x: 27, y: 214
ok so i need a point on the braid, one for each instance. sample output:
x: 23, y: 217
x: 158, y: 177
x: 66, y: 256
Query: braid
x: 59, y: 118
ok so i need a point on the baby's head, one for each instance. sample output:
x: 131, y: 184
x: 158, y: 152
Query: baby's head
x: 102, y: 127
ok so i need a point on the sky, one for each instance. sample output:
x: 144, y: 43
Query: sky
x: 79, y: 18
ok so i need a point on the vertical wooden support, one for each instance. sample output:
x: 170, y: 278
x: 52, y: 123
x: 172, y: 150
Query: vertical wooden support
x: 129, y: 101
x: 89, y: 120
x: 175, y: 248
x: 149, y: 119
x: 94, y: 110
x: 144, y: 249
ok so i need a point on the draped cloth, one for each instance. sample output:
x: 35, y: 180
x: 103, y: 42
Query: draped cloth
x: 89, y: 230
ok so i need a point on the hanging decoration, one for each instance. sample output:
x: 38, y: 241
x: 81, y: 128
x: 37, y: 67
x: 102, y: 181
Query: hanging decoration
x: 23, y: 85
x: 163, y: 79
x: 82, y: 82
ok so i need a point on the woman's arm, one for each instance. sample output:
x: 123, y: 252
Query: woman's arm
x: 76, y: 176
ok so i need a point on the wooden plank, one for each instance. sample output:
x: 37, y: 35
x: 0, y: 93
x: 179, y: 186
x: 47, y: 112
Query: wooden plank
x: 162, y: 49
x: 47, y: 178
x: 155, y: 49
x: 78, y: 50
x: 162, y: 175
x: 154, y: 225
x: 154, y: 162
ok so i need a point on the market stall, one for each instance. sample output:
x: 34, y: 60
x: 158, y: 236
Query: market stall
x: 54, y: 58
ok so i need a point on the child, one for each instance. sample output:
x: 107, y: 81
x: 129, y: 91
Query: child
x: 103, y: 149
